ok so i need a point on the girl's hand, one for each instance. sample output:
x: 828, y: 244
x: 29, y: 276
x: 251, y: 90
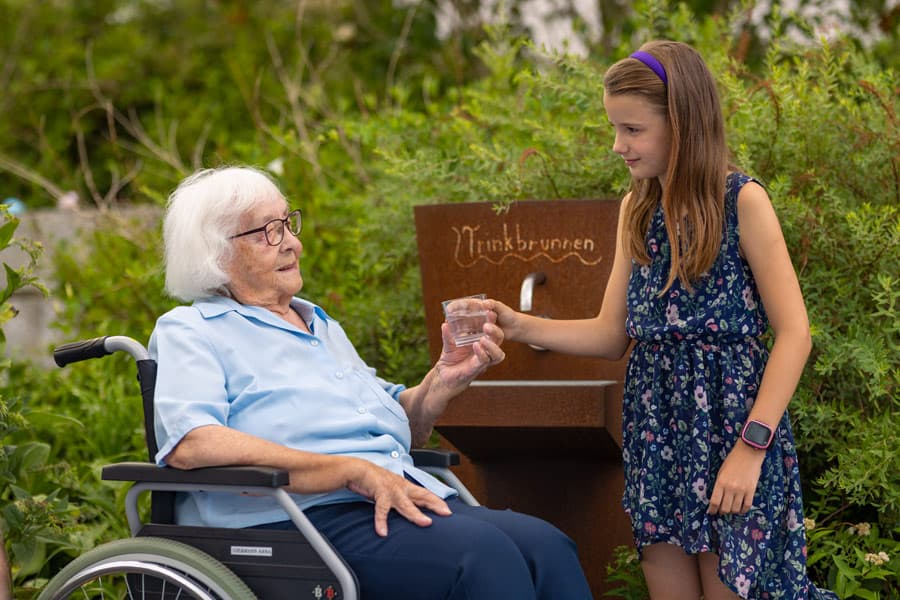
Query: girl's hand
x: 506, y: 317
x: 736, y: 481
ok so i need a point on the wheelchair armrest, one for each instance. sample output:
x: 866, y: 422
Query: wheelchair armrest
x: 237, y: 476
x: 242, y: 475
x: 427, y: 457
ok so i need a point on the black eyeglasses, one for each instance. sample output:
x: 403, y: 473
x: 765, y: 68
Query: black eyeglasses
x: 274, y: 229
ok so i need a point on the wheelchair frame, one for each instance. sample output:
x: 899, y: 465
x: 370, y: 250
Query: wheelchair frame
x: 186, y: 564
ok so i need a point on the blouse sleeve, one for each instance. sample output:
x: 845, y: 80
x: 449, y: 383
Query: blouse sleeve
x: 190, y: 379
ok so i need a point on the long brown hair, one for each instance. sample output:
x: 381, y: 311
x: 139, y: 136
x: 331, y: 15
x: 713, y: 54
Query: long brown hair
x: 693, y: 198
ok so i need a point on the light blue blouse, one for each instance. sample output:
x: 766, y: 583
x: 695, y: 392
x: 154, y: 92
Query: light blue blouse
x: 224, y: 363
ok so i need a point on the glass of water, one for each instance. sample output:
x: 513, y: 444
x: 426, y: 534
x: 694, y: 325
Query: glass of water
x: 466, y: 317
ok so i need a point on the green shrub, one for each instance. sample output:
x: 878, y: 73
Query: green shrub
x: 625, y: 575
x: 862, y: 561
x: 33, y: 508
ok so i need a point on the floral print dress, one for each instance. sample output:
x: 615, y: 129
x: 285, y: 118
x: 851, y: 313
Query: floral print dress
x: 692, y: 378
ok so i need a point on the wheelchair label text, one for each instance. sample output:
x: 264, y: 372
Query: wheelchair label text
x: 251, y: 551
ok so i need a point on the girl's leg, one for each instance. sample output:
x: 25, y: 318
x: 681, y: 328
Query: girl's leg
x: 713, y: 588
x: 671, y: 574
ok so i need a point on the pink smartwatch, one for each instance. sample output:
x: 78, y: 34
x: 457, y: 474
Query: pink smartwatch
x: 757, y: 434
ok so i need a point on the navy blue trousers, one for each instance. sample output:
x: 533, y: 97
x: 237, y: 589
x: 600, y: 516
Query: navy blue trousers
x: 475, y: 553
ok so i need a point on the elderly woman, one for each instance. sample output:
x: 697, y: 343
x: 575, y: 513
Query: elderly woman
x: 250, y: 374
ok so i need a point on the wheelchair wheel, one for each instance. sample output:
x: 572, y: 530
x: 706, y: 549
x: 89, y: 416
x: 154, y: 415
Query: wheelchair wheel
x: 148, y: 568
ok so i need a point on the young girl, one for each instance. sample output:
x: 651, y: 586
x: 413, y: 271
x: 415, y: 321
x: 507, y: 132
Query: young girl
x: 701, y: 271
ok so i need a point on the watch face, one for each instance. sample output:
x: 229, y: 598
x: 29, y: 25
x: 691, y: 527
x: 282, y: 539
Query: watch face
x: 757, y: 433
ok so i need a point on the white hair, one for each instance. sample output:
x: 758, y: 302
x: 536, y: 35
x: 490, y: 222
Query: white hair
x: 203, y: 212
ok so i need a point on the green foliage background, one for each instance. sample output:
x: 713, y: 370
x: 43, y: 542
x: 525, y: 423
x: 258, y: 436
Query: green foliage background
x: 121, y: 105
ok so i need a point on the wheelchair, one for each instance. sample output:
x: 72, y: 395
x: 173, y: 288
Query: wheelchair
x: 163, y: 560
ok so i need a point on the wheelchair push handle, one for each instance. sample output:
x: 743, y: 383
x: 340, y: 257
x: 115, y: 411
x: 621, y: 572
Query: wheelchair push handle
x: 78, y: 351
x: 98, y: 348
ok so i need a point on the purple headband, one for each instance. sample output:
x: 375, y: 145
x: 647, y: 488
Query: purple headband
x: 650, y: 60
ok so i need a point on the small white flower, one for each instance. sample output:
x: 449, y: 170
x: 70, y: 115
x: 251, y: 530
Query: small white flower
x: 345, y: 32
x: 276, y: 166
x: 877, y: 559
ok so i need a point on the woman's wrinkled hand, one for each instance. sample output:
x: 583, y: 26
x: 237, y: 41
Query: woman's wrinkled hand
x: 391, y: 491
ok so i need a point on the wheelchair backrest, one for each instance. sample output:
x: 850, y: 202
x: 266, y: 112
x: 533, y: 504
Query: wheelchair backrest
x: 162, y: 503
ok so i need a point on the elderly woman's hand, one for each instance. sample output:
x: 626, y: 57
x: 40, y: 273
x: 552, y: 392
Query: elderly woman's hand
x: 454, y: 370
x: 391, y: 491
x: 459, y: 365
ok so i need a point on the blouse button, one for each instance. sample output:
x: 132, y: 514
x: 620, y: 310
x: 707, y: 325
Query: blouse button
x: 314, y: 342
x: 395, y: 454
x: 361, y: 410
x: 339, y: 374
